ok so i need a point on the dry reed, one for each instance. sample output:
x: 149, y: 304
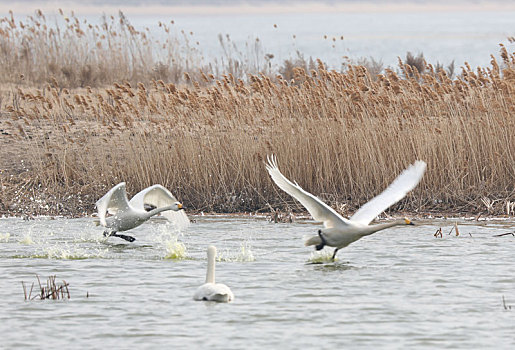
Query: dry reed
x: 341, y: 135
x: 51, y: 290
x: 77, y: 53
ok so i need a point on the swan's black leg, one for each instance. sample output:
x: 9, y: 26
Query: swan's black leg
x: 321, y: 245
x: 127, y: 238
x: 334, y: 254
x: 114, y: 234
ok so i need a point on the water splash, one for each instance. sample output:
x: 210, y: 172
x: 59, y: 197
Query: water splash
x: 321, y: 257
x: 67, y: 252
x: 27, y: 239
x: 244, y: 255
x: 175, y: 250
x: 5, y: 237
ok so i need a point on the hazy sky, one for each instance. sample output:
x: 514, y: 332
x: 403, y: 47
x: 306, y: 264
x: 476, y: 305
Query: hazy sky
x: 163, y: 7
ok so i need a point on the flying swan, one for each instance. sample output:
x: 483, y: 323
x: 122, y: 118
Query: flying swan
x: 126, y: 215
x: 339, y: 232
x: 210, y: 290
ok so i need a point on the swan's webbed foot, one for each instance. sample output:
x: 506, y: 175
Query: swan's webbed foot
x: 114, y: 234
x: 321, y: 245
x: 127, y: 238
x: 334, y: 254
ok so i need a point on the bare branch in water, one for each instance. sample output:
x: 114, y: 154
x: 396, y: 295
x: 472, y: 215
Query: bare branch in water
x: 50, y: 291
x: 505, y: 234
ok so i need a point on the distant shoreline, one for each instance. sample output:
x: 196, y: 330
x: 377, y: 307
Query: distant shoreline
x: 301, y: 216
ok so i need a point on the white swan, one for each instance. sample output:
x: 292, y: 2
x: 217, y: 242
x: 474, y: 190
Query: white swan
x: 127, y: 214
x: 210, y: 290
x: 339, y: 232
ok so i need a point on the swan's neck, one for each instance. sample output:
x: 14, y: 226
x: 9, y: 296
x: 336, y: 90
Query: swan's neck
x: 156, y: 211
x: 210, y: 276
x: 374, y: 228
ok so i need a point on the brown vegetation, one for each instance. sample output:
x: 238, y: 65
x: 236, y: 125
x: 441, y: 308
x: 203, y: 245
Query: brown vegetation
x: 343, y: 136
x: 52, y: 290
x: 79, y: 54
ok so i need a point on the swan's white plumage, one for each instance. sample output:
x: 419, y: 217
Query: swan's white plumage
x: 214, y: 292
x: 211, y: 291
x: 397, y: 190
x: 319, y: 210
x: 129, y: 214
x: 113, y: 201
x: 159, y: 196
x: 339, y: 232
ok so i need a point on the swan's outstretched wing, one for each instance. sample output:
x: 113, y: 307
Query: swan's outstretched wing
x: 318, y: 209
x: 113, y: 201
x: 158, y: 196
x: 397, y: 190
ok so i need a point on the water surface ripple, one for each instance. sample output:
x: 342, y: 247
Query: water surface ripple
x: 400, y: 288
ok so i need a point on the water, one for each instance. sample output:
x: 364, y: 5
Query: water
x: 442, y: 36
x: 401, y: 288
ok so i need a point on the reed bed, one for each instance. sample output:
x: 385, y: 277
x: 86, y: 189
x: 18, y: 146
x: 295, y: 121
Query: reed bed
x: 50, y: 290
x: 343, y: 136
x: 78, y: 53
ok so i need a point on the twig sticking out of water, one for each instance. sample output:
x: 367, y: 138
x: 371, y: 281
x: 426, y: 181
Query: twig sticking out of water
x: 25, y: 290
x: 51, y: 291
x: 505, y: 234
x: 506, y: 307
x: 455, y: 228
x: 439, y: 233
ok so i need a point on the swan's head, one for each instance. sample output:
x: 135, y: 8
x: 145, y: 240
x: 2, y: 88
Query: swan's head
x: 177, y: 206
x: 408, y: 221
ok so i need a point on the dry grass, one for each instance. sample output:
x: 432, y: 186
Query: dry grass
x: 51, y: 290
x: 341, y: 135
x: 79, y: 54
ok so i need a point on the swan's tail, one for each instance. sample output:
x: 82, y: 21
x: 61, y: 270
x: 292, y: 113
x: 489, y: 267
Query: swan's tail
x: 315, y: 240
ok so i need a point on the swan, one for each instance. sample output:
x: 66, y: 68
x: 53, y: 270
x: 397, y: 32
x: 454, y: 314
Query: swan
x: 339, y: 232
x: 210, y: 290
x: 127, y: 214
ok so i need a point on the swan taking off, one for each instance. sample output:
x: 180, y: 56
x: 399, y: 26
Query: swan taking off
x: 127, y: 214
x: 339, y: 232
x: 210, y: 290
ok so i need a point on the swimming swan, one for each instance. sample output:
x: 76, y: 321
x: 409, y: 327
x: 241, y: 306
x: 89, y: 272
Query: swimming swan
x: 127, y: 214
x: 339, y: 232
x: 210, y: 290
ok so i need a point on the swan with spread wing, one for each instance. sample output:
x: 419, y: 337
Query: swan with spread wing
x: 339, y: 232
x: 126, y: 215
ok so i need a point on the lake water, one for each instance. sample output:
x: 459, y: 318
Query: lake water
x: 400, y: 288
x: 442, y: 36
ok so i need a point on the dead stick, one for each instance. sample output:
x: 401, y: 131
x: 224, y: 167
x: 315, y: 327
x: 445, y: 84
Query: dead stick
x: 505, y: 234
x: 67, y: 291
x: 24, y: 290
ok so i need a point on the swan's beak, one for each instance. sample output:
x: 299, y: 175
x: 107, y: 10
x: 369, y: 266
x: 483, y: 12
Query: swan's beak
x: 408, y: 222
x: 180, y: 206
